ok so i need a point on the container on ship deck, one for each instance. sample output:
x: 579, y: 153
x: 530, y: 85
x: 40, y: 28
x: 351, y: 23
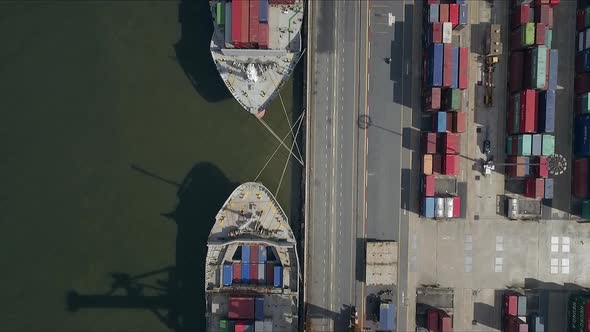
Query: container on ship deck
x: 516, y: 71
x: 580, y: 179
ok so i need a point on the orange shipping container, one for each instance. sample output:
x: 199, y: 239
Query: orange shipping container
x: 427, y: 164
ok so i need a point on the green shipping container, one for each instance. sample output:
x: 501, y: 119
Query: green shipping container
x: 576, y: 316
x: 223, y: 325
x: 219, y: 14
x: 524, y: 145
x: 548, y: 37
x: 516, y: 109
x: 548, y: 145
x: 586, y: 209
x: 585, y: 103
x: 453, y: 99
x: 587, y: 17
x: 528, y: 35
x: 509, y: 145
x: 539, y: 67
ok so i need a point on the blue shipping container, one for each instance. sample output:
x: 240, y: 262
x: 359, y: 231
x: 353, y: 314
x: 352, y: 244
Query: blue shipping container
x: 463, y: 16
x: 536, y: 323
x: 549, y: 188
x: 278, y: 276
x: 441, y: 122
x: 245, y: 254
x: 428, y: 207
x: 553, y: 64
x: 527, y: 165
x: 427, y: 36
x: 245, y: 273
x: 262, y: 254
x: 582, y: 136
x: 583, y: 62
x: 436, y: 65
x: 455, y: 82
x: 433, y: 13
x: 461, y: 2
x: 580, y: 41
x: 263, y: 11
x: 546, y: 114
x: 227, y: 274
x: 387, y: 317
x: 259, y: 308
x: 537, y: 142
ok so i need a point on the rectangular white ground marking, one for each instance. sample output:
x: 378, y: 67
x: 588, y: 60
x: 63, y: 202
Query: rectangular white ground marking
x: 468, y: 247
x: 499, y: 246
x: 554, y: 266
x: 498, y: 265
x: 565, y: 244
x: 498, y: 268
x: 565, y: 266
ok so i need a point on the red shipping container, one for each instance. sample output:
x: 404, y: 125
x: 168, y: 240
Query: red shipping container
x: 587, y: 316
x: 436, y: 33
x: 447, y: 65
x: 451, y: 164
x: 451, y: 144
x: 241, y: 307
x: 450, y: 122
x: 510, y: 305
x: 459, y: 122
x: 580, y: 178
x: 544, y: 14
x: 463, y: 68
x: 534, y: 187
x: 540, y: 34
x: 242, y: 326
x: 528, y: 111
x: 429, y: 182
x: 432, y: 320
x: 553, y: 3
x: 444, y: 322
x: 270, y: 273
x: 237, y: 272
x: 254, y: 18
x: 580, y: 20
x: 541, y: 2
x: 245, y: 22
x: 429, y: 143
x: 443, y: 15
x: 253, y: 254
x: 454, y: 14
x: 456, y: 207
x: 432, y: 102
x: 236, y: 22
x: 433, y: 2
x: 263, y: 35
x: 510, y: 167
x: 520, y: 15
x: 582, y: 83
x: 254, y: 272
x: 516, y: 71
x: 541, y: 169
x: 437, y: 164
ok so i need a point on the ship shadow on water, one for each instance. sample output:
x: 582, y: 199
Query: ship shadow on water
x: 175, y: 294
x: 192, y: 50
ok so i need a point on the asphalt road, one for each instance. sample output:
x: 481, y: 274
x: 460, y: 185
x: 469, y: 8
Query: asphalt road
x: 337, y: 150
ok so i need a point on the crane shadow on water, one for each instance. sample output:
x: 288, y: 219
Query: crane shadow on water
x: 175, y: 294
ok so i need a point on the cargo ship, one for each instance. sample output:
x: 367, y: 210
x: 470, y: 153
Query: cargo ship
x: 252, y: 268
x: 255, y: 46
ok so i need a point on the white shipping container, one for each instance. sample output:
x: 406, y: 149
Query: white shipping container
x: 439, y: 207
x: 261, y: 271
x: 258, y: 325
x: 580, y: 41
x: 447, y: 32
x: 268, y: 325
x: 449, y: 207
x: 587, y: 39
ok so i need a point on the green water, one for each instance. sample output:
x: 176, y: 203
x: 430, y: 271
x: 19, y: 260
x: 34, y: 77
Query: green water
x: 119, y: 145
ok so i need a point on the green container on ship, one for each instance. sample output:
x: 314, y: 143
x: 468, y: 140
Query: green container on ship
x: 548, y: 37
x: 587, y: 17
x: 453, y: 99
x: 516, y: 110
x: 576, y: 313
x: 219, y: 14
x: 509, y: 145
x: 527, y: 37
x: 586, y: 209
x: 584, y: 103
x: 539, y: 67
x: 524, y: 145
x: 548, y: 147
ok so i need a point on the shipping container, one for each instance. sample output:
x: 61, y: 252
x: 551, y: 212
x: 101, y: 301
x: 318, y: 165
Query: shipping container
x: 539, y: 64
x: 586, y: 39
x: 521, y: 305
x: 387, y: 317
x: 433, y: 13
x: 443, y: 15
x: 228, y: 22
x: 263, y: 16
x: 450, y: 121
x: 582, y: 135
x: 237, y: 272
x: 553, y: 3
x: 454, y: 14
x: 455, y: 82
x: 244, y: 326
x: 527, y: 166
x: 429, y: 143
x: 254, y: 22
x: 527, y: 69
x: 459, y: 122
x: 437, y: 33
x: 540, y: 34
x: 536, y: 146
x: 586, y: 209
x: 262, y: 249
x: 541, y: 169
x: 587, y: 17
x: 246, y: 273
x: 241, y: 307
x: 548, y: 37
x: 261, y: 273
x: 263, y: 35
x: 245, y: 254
x: 582, y: 83
x: 580, y: 41
x: 278, y: 276
x: 510, y: 306
x: 429, y: 183
x: 536, y: 323
x: 437, y: 164
x: 435, y: 72
x: 546, y: 111
x: 427, y: 164
x: 528, y: 111
x: 447, y: 33
x: 548, y: 147
x: 580, y: 177
x: 456, y: 207
x: 259, y: 307
x: 535, y: 187
x: 580, y: 20
x: 236, y: 34
x: 524, y: 145
x: 451, y: 144
x: 521, y: 166
x: 520, y: 15
x: 258, y: 325
x: 223, y: 325
x: 433, y: 99
x: 583, y: 61
x: 447, y: 65
x: 553, y: 68
x: 549, y: 188
x: 583, y: 103
x: 448, y: 207
x: 245, y: 21
x: 254, y: 252
x: 509, y: 145
x: 544, y: 14
x: 527, y: 34
x: 452, y: 99
x: 516, y: 71
x: 432, y: 320
x: 219, y: 14
x: 269, y: 274
x: 440, y: 121
x: 439, y: 207
x: 253, y: 273
x: 463, y: 68
x: 463, y: 16
x: 227, y: 274
x: 451, y: 164
x: 268, y: 325
x: 515, y: 324
x: 445, y: 323
x: 428, y: 207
